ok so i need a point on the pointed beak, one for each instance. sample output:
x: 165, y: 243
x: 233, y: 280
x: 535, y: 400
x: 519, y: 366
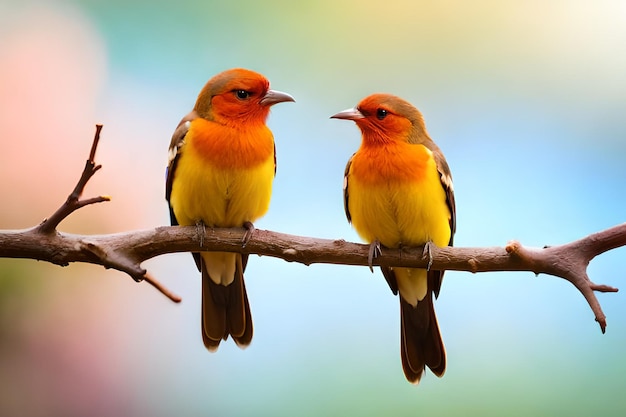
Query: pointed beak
x: 273, y: 97
x: 350, y: 114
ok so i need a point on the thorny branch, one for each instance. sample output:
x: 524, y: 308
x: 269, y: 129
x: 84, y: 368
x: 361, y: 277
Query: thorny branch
x: 126, y: 251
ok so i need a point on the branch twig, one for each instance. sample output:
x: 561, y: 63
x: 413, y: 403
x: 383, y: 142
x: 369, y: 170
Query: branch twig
x: 73, y: 203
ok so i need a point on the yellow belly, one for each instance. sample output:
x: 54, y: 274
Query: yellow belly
x: 220, y: 197
x: 398, y: 211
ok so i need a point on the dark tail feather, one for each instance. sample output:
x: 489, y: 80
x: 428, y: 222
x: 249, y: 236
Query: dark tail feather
x: 225, y: 310
x: 238, y: 314
x: 421, y: 343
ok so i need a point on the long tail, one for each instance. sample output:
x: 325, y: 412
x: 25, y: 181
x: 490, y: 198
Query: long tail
x: 225, y: 309
x: 421, y: 343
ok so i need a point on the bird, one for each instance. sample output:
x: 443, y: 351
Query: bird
x: 397, y: 193
x: 221, y: 166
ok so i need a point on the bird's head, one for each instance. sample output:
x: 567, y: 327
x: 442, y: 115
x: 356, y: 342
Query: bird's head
x: 385, y: 117
x: 238, y: 96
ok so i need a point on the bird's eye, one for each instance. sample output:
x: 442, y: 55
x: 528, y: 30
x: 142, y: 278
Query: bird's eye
x: 381, y: 114
x: 242, y: 94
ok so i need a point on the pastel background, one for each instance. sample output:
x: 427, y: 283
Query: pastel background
x: 526, y: 99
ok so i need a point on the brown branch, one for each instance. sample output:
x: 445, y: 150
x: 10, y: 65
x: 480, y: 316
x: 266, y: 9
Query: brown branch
x: 47, y: 228
x: 126, y: 251
x: 156, y: 284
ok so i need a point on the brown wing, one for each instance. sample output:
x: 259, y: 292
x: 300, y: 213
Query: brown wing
x: 435, y: 277
x: 345, y: 189
x: 177, y: 142
x: 446, y: 182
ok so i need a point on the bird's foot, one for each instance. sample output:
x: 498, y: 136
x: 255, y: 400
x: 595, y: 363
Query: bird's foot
x: 375, y: 252
x: 248, y: 234
x: 200, y: 231
x: 428, y: 252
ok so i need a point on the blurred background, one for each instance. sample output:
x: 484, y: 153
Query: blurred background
x: 526, y: 99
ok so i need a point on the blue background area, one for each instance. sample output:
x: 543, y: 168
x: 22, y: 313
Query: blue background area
x: 526, y: 99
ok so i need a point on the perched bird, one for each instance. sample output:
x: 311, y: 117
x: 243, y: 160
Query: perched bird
x: 398, y: 192
x: 222, y: 163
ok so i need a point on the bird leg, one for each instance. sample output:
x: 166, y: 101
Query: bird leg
x: 248, y: 235
x: 200, y: 231
x: 428, y: 251
x: 375, y: 252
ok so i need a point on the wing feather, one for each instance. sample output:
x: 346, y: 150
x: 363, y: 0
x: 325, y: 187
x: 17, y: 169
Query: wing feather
x: 345, y: 189
x: 176, y: 144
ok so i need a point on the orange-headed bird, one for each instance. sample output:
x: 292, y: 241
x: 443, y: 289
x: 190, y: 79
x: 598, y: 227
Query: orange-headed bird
x: 222, y: 162
x: 398, y: 192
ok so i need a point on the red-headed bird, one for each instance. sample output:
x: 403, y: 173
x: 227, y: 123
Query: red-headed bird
x: 222, y: 163
x: 398, y: 192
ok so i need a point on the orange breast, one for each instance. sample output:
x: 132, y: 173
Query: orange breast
x: 394, y: 162
x: 228, y: 148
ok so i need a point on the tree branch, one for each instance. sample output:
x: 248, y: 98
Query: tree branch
x: 126, y: 251
x: 73, y: 203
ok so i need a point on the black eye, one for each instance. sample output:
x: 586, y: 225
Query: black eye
x: 381, y: 114
x: 242, y: 94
